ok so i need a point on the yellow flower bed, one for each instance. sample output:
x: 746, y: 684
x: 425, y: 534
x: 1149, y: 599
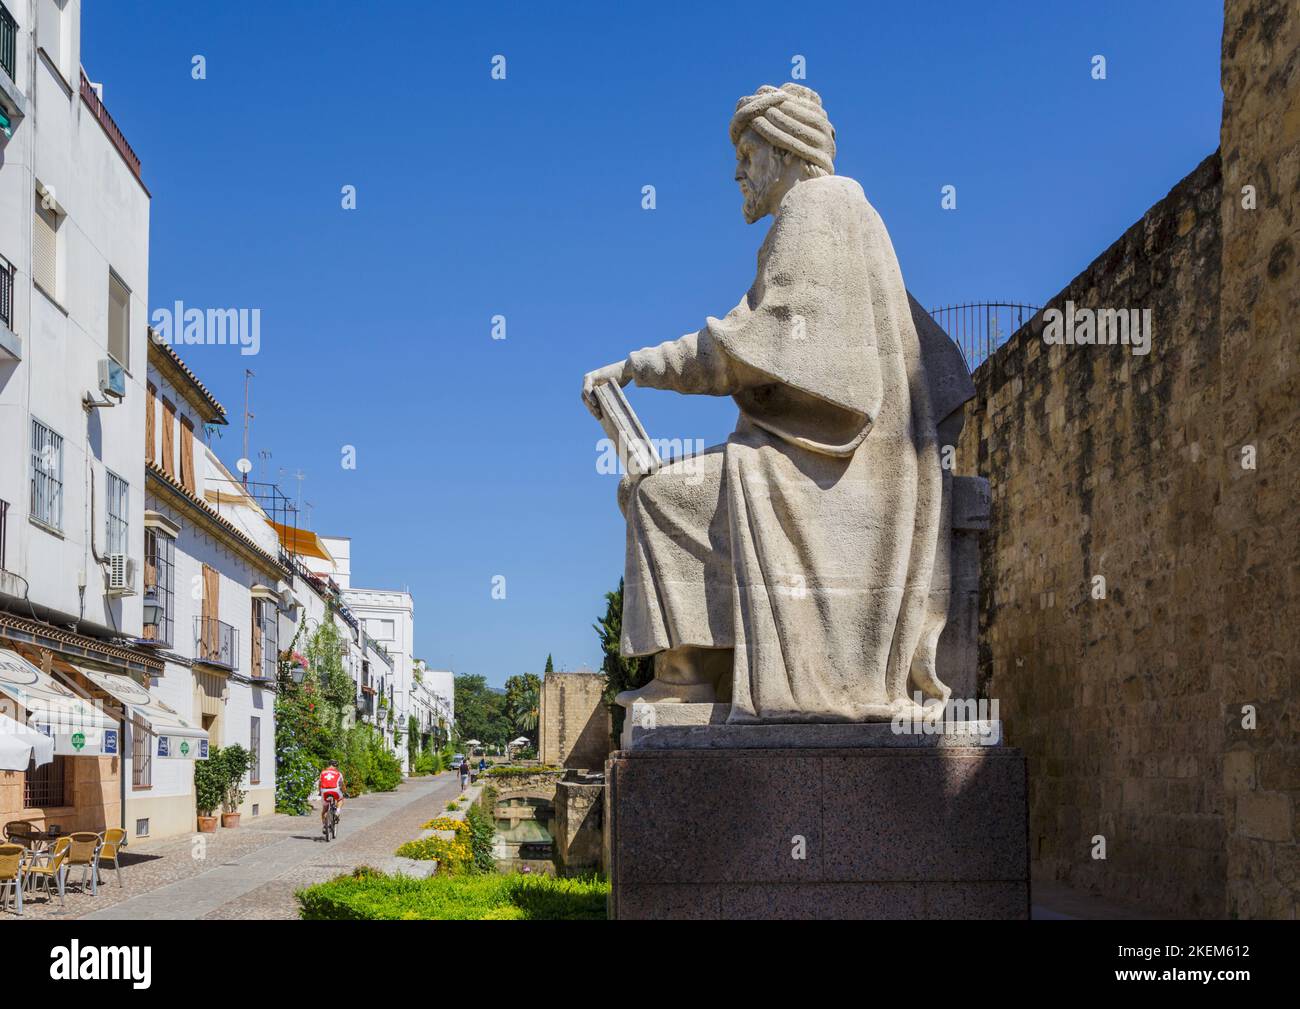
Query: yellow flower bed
x: 454, y: 856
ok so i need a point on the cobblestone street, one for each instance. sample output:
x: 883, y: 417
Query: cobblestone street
x: 252, y: 871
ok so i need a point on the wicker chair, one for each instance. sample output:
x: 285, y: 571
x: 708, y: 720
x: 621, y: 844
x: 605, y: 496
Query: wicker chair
x: 110, y: 843
x: 19, y: 831
x: 12, y: 869
x: 84, y: 852
x: 51, y: 867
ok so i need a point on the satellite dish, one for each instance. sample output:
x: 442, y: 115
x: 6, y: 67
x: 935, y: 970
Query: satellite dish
x: 244, y: 466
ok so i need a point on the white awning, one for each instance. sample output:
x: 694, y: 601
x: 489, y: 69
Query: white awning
x: 176, y: 736
x: 77, y: 726
x: 20, y: 746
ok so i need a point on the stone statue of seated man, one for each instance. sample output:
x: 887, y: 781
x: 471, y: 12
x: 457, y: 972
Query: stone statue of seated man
x: 800, y: 571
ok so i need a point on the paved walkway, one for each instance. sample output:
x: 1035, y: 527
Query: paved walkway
x: 1058, y: 902
x: 253, y: 871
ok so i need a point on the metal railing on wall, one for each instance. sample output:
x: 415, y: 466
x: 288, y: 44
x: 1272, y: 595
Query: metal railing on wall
x: 6, y: 292
x: 216, y: 642
x: 96, y: 105
x: 8, y: 42
x: 979, y: 328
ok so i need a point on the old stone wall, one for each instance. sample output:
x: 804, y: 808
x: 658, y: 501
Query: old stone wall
x: 1257, y: 518
x: 575, y: 721
x: 1140, y: 580
x: 579, y: 827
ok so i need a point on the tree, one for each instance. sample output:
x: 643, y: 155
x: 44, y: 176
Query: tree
x: 550, y: 666
x: 481, y: 712
x: 523, y: 696
x: 620, y: 673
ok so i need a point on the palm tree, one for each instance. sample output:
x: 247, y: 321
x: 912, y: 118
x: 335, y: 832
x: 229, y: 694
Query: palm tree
x: 528, y: 709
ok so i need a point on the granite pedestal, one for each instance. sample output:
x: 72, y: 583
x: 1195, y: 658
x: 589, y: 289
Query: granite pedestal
x: 891, y: 826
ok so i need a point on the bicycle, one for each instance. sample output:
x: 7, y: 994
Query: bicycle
x: 330, y: 825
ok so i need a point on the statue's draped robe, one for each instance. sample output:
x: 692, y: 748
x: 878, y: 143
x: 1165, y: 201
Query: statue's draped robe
x: 814, y: 542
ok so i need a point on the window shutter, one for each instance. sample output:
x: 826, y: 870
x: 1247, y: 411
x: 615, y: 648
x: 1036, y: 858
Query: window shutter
x: 169, y: 438
x: 45, y: 249
x: 187, y: 455
x: 209, y: 610
x: 257, y: 637
x: 119, y: 322
x: 150, y: 424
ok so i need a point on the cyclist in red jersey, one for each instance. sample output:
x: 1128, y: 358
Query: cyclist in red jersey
x: 331, y: 783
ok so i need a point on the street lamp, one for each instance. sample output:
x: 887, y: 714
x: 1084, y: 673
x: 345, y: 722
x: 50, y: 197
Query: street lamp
x: 153, y: 609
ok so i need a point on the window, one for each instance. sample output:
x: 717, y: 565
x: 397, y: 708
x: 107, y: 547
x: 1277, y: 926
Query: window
x: 53, y: 33
x: 142, y: 827
x: 160, y: 575
x: 46, y: 786
x: 141, y: 755
x: 45, y: 248
x: 116, y: 508
x: 255, y: 748
x: 47, y: 476
x: 119, y: 321
x: 381, y: 630
x: 268, y: 620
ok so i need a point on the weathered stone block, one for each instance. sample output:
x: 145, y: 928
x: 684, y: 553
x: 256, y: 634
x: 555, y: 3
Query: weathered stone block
x: 1265, y: 816
x: 880, y: 832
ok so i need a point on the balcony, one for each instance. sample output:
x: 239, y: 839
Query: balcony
x: 215, y: 643
x: 13, y: 104
x: 11, y: 347
x: 6, y: 293
x: 8, y: 42
x: 92, y: 100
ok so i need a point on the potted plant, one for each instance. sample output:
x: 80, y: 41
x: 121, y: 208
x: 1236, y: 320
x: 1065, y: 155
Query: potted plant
x: 209, y: 789
x: 236, y: 761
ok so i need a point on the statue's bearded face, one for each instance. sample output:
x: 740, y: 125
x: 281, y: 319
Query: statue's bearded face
x: 760, y: 167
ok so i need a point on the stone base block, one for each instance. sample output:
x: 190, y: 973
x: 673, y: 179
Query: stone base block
x: 869, y: 832
x: 671, y: 726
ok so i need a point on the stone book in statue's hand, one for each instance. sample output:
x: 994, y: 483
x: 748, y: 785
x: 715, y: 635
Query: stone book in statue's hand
x: 635, y: 450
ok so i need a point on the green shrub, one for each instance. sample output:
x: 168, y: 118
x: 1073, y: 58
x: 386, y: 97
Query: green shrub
x: 235, y: 762
x: 502, y: 770
x: 481, y: 830
x: 427, y: 762
x: 375, y: 896
x: 367, y: 763
x: 209, y: 782
x: 296, y: 777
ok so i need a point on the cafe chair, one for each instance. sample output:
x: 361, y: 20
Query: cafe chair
x: 84, y: 852
x: 51, y: 868
x: 11, y: 875
x: 19, y: 831
x: 110, y: 843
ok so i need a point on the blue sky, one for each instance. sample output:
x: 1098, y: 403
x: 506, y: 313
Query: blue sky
x: 522, y: 197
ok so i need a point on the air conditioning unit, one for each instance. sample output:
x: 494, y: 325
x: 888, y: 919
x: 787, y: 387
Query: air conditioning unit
x: 121, y: 575
x: 112, y: 379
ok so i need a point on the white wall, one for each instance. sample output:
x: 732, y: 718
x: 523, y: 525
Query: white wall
x: 62, y: 147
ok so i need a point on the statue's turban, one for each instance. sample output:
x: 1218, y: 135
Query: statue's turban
x: 790, y: 117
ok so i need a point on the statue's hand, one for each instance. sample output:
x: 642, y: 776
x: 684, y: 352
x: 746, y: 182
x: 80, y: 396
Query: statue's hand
x: 620, y: 373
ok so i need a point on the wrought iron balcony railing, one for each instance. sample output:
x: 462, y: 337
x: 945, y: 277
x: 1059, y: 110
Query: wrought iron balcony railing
x: 6, y: 292
x: 8, y: 42
x: 216, y: 643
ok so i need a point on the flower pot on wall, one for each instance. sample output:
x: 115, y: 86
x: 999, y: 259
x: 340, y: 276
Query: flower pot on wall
x: 207, y: 824
x: 230, y: 819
